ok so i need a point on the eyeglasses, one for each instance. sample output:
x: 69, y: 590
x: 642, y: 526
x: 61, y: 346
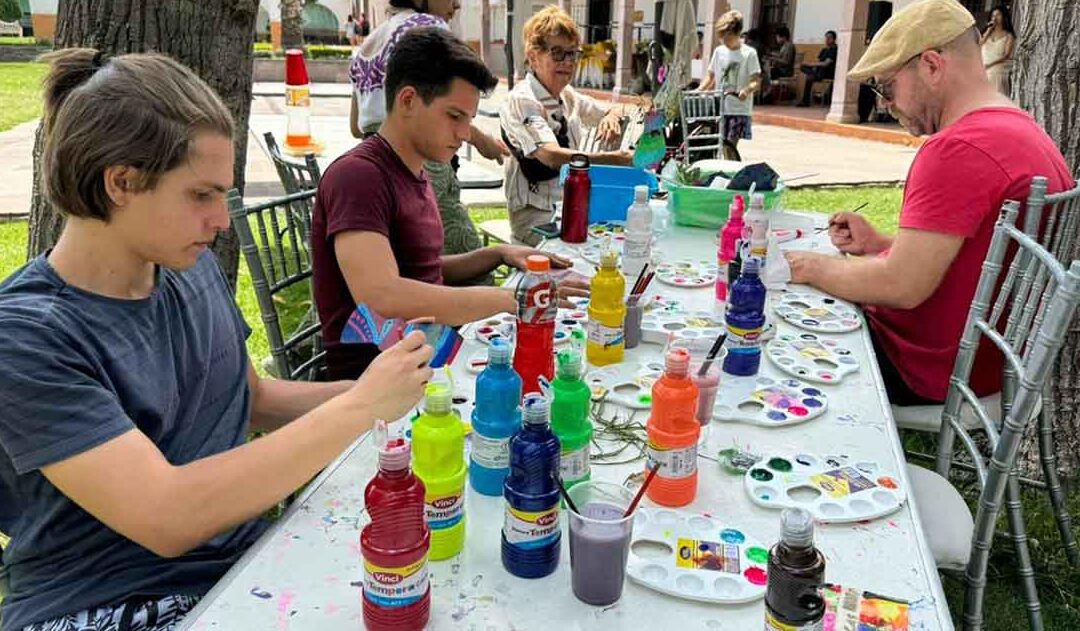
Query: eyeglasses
x: 560, y: 55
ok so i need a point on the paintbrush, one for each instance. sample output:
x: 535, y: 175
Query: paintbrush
x: 641, y: 275
x: 645, y: 283
x: 565, y: 495
x: 713, y: 352
x: 857, y: 209
x: 641, y: 492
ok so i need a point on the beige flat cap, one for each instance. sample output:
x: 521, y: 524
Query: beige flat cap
x: 918, y: 27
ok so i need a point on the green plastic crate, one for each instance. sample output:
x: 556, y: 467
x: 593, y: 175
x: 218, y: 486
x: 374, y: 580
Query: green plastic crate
x: 703, y: 207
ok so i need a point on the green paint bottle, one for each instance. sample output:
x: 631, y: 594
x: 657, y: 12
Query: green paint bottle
x: 571, y: 399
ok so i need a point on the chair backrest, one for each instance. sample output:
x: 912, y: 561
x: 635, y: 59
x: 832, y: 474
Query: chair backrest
x: 703, y: 107
x: 273, y: 239
x: 295, y: 177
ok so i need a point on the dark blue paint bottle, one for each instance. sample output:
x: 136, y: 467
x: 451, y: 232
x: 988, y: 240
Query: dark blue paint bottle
x: 531, y: 536
x: 745, y: 320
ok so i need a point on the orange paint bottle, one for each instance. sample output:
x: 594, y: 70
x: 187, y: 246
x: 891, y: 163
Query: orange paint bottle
x: 673, y: 433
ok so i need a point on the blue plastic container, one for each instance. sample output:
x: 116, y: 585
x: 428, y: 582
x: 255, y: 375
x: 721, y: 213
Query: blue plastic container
x: 531, y: 536
x: 613, y: 190
x: 496, y: 417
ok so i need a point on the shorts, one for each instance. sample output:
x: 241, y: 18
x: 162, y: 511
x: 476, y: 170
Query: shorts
x: 738, y: 128
x: 161, y: 614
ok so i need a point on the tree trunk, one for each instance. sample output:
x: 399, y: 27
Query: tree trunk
x: 1045, y: 82
x: 292, y: 23
x: 212, y: 37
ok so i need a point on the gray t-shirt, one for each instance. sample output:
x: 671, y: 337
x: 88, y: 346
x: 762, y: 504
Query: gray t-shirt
x: 79, y: 369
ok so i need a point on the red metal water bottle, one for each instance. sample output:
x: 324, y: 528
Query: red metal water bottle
x: 575, y: 208
x: 397, y: 595
x: 534, y: 354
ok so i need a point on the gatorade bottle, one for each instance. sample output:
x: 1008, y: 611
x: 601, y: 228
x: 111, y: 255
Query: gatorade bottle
x: 637, y: 246
x: 537, y: 308
x: 728, y: 244
x: 796, y: 572
x: 607, y: 313
x: 496, y: 417
x: 673, y: 433
x: 531, y: 537
x: 395, y: 544
x: 745, y: 320
x: 756, y: 230
x: 439, y: 461
x: 570, y: 403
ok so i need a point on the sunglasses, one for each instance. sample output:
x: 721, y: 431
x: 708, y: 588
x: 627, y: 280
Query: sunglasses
x: 884, y: 89
x: 560, y: 55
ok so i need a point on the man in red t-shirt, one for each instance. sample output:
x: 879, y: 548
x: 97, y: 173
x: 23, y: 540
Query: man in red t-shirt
x: 376, y: 232
x: 983, y: 150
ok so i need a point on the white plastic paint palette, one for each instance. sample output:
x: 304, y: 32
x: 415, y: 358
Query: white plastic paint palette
x: 696, y: 557
x: 818, y: 313
x: 502, y: 326
x: 832, y: 488
x: 614, y: 229
x: 687, y: 273
x: 594, y: 249
x: 812, y: 358
x: 765, y: 401
x: 627, y: 384
x: 658, y: 325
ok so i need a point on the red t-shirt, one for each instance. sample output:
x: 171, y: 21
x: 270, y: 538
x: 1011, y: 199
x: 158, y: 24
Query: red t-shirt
x: 957, y: 185
x: 369, y: 189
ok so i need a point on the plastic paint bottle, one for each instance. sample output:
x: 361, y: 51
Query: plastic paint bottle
x: 439, y: 461
x: 756, y: 232
x: 673, y: 432
x: 796, y: 572
x: 531, y: 536
x: 496, y: 417
x: 745, y: 320
x: 637, y: 247
x: 571, y: 399
x: 534, y: 354
x: 727, y: 248
x: 397, y: 595
x: 607, y: 313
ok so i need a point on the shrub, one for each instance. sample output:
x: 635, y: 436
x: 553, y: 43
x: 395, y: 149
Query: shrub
x: 321, y: 51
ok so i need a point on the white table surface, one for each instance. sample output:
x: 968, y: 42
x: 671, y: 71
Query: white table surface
x: 306, y: 571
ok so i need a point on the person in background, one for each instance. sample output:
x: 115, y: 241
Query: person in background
x: 734, y: 70
x: 998, y: 43
x: 363, y: 28
x: 368, y: 111
x: 698, y: 52
x: 350, y: 31
x: 781, y: 62
x: 824, y: 68
x: 129, y: 484
x: 542, y: 122
x: 376, y: 234
x: 982, y: 150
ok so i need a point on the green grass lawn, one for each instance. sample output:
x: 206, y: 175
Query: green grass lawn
x: 9, y: 40
x: 1059, y: 584
x: 20, y: 88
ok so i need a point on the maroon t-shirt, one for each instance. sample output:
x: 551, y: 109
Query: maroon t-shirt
x: 370, y: 189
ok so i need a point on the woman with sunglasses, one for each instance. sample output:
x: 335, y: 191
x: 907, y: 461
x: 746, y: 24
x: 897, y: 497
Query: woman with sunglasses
x: 542, y: 121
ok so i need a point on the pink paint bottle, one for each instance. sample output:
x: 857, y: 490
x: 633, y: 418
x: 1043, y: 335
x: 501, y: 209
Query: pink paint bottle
x: 726, y: 250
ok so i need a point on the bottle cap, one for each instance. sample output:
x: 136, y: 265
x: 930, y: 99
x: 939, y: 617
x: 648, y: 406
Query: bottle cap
x: 537, y: 263
x: 738, y: 207
x: 579, y: 161
x: 609, y: 259
x: 751, y: 266
x: 641, y: 194
x: 758, y: 200
x: 295, y: 68
x: 535, y: 410
x: 568, y: 364
x: 438, y: 399
x: 393, y: 453
x: 677, y: 362
x: 499, y: 352
x: 797, y: 528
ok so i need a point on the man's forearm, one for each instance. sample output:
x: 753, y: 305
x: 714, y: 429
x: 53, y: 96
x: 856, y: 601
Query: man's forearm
x: 276, y: 402
x: 459, y: 268
x: 860, y: 280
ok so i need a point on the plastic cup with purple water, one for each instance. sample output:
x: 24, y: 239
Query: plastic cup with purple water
x: 599, y: 541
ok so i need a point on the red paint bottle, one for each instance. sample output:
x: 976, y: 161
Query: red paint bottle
x: 575, y: 210
x: 397, y: 596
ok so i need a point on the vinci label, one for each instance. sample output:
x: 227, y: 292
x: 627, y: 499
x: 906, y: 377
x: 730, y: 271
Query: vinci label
x: 444, y: 512
x: 675, y: 464
x: 395, y: 587
x: 531, y: 530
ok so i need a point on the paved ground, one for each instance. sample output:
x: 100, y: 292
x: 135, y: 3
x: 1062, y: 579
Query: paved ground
x: 831, y: 159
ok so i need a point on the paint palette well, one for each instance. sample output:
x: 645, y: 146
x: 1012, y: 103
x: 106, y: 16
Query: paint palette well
x: 696, y: 557
x: 627, y: 384
x: 761, y: 400
x: 810, y: 357
x: 614, y: 229
x: 658, y: 326
x: 832, y: 488
x: 687, y: 273
x: 502, y: 326
x: 817, y: 313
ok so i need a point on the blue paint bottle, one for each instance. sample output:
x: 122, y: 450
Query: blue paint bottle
x: 745, y: 320
x: 531, y: 536
x: 496, y: 418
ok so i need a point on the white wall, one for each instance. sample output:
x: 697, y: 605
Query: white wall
x: 814, y: 17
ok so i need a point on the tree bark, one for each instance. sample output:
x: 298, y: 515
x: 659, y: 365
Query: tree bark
x: 212, y: 37
x: 1046, y: 82
x: 292, y: 23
